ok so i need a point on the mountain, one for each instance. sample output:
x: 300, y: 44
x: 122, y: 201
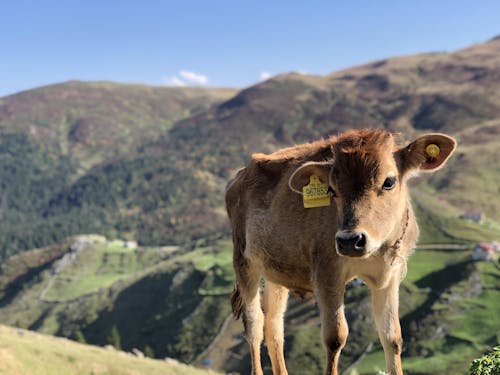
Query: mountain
x: 54, y: 138
x: 96, y: 121
x: 151, y: 164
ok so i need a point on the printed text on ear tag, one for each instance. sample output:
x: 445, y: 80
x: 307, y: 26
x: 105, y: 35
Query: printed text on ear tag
x: 315, y: 194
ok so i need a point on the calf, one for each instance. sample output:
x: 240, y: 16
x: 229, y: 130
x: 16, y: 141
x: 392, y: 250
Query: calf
x: 310, y: 218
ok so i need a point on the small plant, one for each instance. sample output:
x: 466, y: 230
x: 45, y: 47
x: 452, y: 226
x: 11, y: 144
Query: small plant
x: 79, y: 336
x: 114, y: 338
x: 488, y: 364
x: 149, y: 352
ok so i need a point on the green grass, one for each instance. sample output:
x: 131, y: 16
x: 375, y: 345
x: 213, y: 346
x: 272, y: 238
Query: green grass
x: 116, y: 246
x: 98, y: 267
x: 373, y: 362
x: 208, y: 259
x: 217, y: 262
x: 480, y: 324
x: 456, y: 361
x: 305, y: 350
x: 218, y: 254
x: 424, y: 262
x: 70, y: 285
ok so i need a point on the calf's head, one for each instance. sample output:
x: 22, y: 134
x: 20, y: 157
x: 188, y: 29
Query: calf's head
x: 367, y: 181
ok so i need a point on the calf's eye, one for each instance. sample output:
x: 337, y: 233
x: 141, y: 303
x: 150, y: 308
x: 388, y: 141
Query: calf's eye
x: 389, y: 183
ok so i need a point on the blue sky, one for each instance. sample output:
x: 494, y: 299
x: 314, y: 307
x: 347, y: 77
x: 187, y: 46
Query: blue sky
x: 222, y: 43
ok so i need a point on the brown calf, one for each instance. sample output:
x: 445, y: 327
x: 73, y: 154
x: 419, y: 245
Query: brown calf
x: 360, y: 225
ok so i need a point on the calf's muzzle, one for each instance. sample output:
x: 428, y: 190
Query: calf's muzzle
x: 351, y: 243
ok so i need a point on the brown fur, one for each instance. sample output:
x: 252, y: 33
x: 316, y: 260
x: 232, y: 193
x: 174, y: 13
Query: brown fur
x: 297, y: 249
x: 236, y: 302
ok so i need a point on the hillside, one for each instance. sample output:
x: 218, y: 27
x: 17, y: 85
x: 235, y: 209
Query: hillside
x: 96, y: 121
x: 151, y: 164
x: 28, y: 353
x: 53, y: 138
x: 87, y: 287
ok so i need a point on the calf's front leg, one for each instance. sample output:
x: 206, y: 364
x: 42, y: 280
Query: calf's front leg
x: 333, y: 324
x: 385, y: 310
x: 275, y: 298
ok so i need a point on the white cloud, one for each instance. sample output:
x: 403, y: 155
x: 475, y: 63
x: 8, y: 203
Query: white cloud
x: 187, y: 78
x: 264, y: 75
x: 194, y: 78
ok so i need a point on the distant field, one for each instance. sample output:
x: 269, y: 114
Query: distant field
x: 97, y: 267
x: 439, y: 221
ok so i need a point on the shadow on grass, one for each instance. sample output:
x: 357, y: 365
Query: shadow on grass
x: 14, y: 287
x: 437, y: 282
x: 148, y: 313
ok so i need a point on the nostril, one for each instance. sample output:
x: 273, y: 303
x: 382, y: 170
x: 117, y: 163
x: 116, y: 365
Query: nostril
x: 360, y: 241
x: 340, y: 243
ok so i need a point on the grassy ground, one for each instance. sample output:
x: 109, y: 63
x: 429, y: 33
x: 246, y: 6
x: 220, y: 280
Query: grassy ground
x: 28, y: 353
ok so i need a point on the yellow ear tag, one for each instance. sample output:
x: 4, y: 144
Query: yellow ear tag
x: 315, y: 194
x: 432, y: 150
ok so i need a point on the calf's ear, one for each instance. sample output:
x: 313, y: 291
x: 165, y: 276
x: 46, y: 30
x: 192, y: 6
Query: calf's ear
x: 427, y: 153
x: 300, y: 177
